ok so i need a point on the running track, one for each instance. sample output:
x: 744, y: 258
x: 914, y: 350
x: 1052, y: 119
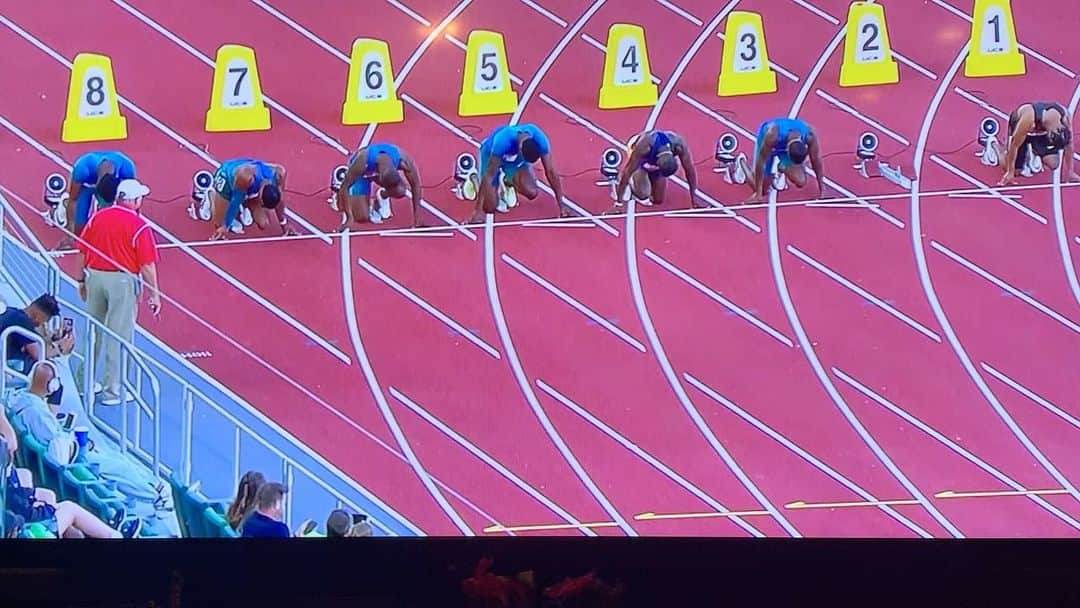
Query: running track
x: 579, y: 376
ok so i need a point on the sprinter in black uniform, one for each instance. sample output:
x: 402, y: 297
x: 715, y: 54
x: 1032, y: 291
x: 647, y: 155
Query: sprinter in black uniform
x: 1048, y: 128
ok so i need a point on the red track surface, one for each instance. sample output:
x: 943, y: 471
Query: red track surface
x: 505, y: 447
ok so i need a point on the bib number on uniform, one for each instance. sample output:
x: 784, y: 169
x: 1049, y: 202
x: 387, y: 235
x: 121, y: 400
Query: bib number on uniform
x: 747, y: 55
x: 238, y: 91
x: 373, y: 80
x: 94, y: 102
x: 868, y: 49
x: 995, y: 39
x: 219, y: 183
x: 488, y: 77
x: 628, y: 68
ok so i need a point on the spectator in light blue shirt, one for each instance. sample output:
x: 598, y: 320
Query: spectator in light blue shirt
x: 149, y: 498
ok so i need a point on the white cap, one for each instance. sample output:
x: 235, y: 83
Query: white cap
x: 131, y: 190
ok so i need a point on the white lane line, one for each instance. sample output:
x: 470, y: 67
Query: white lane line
x: 681, y: 12
x: 819, y: 370
x: 800, y: 452
x: 381, y: 402
x: 1032, y: 395
x: 428, y: 308
x: 393, y: 233
x: 823, y: 269
x: 716, y: 297
x: 804, y: 339
x: 545, y: 12
x: 468, y: 138
x: 1026, y: 49
x: 952, y: 445
x: 779, y: 68
x: 487, y: 459
x: 584, y: 122
x: 951, y: 168
x: 864, y: 118
x: 1062, y: 238
x: 1020, y: 295
x: 817, y: 11
x: 676, y: 385
x: 199, y: 258
x: 575, y: 304
x: 931, y: 293
x: 551, y: 224
x: 982, y: 104
x: 526, y: 388
x: 911, y: 64
x: 408, y: 11
x: 875, y: 209
x: 301, y: 30
x: 636, y: 450
x: 183, y: 142
x: 552, y: 57
x: 684, y: 62
x: 328, y: 140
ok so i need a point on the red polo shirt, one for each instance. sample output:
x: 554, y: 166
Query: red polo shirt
x: 117, y: 234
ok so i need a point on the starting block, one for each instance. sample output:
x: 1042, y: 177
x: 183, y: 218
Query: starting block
x: 866, y: 151
x: 726, y: 160
x: 337, y: 180
x: 988, y: 130
x: 779, y: 180
x: 93, y: 110
x: 993, y: 48
x: 466, y: 178
x: 199, y: 209
x: 868, y: 58
x: 56, y: 199
x: 236, y: 100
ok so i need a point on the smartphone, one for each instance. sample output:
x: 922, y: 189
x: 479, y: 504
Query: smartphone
x: 68, y: 422
x: 68, y: 327
x: 358, y: 518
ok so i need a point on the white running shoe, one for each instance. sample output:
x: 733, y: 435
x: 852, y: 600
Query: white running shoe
x: 373, y: 215
x: 382, y: 205
x: 507, y: 198
x: 245, y: 217
x: 236, y: 227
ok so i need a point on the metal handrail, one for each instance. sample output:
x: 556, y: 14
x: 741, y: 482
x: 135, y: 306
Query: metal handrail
x: 55, y: 278
x: 4, y: 336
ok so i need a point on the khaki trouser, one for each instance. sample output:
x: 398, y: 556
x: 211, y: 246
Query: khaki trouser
x: 112, y: 299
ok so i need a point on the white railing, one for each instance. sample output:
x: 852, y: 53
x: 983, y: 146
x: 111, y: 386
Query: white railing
x: 31, y: 267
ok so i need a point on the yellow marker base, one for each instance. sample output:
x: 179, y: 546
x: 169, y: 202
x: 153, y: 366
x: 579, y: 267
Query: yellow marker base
x: 93, y: 110
x: 627, y: 76
x: 88, y: 129
x: 222, y: 121
x: 485, y: 87
x: 371, y: 96
x: 754, y: 83
x: 860, y: 75
x: 981, y: 66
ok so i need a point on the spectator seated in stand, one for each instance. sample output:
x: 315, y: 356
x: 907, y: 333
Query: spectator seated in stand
x: 342, y: 524
x: 149, y: 497
x: 244, y: 503
x: 65, y: 519
x: 265, y: 520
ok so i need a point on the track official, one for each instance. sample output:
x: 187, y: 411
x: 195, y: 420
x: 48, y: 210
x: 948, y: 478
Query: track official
x: 116, y: 248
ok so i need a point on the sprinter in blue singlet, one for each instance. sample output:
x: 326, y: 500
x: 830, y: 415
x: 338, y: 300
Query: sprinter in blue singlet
x: 380, y: 164
x: 511, y: 150
x: 88, y: 169
x: 251, y: 184
x: 789, y: 141
x: 653, y: 157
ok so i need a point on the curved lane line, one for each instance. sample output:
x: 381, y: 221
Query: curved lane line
x: 931, y: 293
x: 354, y: 326
x: 800, y: 332
x: 1059, y: 217
x: 646, y: 317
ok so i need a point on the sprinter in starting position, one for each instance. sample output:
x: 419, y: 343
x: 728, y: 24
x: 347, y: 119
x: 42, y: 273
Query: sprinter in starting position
x: 383, y: 166
x: 251, y: 185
